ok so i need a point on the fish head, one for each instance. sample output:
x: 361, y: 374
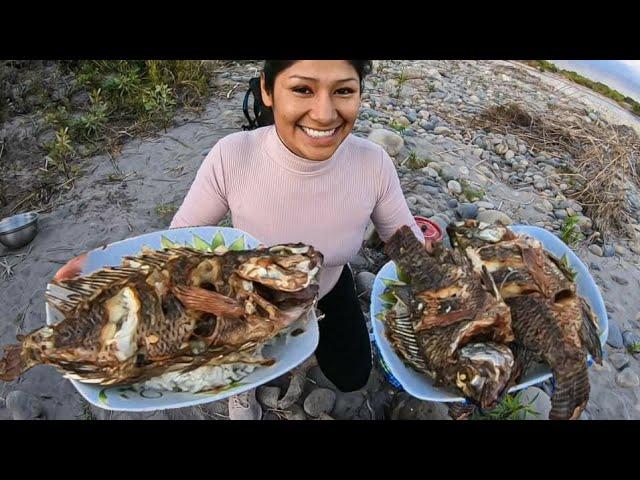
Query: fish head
x: 287, y: 267
x: 483, y: 372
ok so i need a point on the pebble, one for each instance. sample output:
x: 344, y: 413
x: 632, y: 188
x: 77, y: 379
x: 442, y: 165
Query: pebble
x: 608, y: 250
x: 595, y: 249
x: 493, y: 216
x: 23, y: 405
x: 321, y: 400
x: 614, y: 339
x: 619, y: 360
x: 538, y: 401
x: 627, y: 378
x: 390, y: 141
x: 447, y: 172
x: 561, y: 214
x: 619, y: 280
x: 486, y: 205
x: 619, y: 249
x: 630, y: 339
x: 467, y: 210
x: 347, y: 405
x: 454, y: 186
x: 441, y: 130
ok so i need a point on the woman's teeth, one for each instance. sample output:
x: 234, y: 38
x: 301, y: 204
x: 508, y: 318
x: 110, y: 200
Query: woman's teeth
x: 318, y: 133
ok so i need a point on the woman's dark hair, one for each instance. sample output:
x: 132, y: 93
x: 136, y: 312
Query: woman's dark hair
x: 273, y: 67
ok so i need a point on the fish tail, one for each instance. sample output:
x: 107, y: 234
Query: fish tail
x: 589, y: 332
x: 571, y: 394
x: 11, y: 363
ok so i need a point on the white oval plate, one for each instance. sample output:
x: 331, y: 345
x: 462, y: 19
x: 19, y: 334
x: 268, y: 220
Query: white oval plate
x: 289, y: 351
x: 421, y: 386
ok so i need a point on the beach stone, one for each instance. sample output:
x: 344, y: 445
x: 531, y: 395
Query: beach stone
x: 23, y: 405
x: 454, y: 186
x: 630, y: 339
x: 295, y: 412
x: 268, y: 396
x: 364, y: 283
x: 441, y: 130
x: 619, y: 249
x: 619, y: 360
x: 347, y: 405
x: 595, y: 249
x: 390, y: 141
x: 447, y: 172
x: 627, y: 378
x: 614, y: 339
x: 608, y: 250
x: 485, y: 205
x: 540, y: 403
x: 493, y: 216
x: 619, y: 280
x: 321, y: 400
x: 467, y: 210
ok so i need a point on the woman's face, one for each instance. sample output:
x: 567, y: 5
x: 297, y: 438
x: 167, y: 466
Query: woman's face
x: 315, y: 104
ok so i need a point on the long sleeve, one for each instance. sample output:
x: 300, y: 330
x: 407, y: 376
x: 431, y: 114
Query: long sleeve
x: 206, y: 202
x: 391, y: 210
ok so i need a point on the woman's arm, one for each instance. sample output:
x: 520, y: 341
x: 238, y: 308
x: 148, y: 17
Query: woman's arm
x: 391, y: 210
x: 206, y: 201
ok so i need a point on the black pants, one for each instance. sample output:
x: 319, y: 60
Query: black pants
x: 344, y: 351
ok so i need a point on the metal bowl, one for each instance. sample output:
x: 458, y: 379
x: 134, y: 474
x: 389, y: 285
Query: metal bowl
x: 19, y: 230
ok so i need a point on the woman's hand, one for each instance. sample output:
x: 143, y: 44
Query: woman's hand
x: 71, y: 269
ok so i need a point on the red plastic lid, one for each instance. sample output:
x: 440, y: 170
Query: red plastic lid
x: 431, y: 230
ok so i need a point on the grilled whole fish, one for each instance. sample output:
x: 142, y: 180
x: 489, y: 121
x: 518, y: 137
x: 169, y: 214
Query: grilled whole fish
x: 449, y: 322
x: 170, y: 310
x: 551, y: 322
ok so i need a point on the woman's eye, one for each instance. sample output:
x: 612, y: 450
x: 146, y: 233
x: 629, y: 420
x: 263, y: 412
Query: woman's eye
x: 345, y: 91
x: 301, y: 90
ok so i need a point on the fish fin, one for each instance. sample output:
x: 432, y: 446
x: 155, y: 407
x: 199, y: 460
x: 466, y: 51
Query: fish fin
x: 207, y: 301
x: 84, y: 289
x: 523, y: 358
x: 11, y: 364
x: 589, y: 332
x: 422, y: 268
x: 572, y: 392
x: 402, y: 335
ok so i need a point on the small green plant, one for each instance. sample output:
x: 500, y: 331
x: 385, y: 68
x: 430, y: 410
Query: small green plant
x: 470, y: 193
x: 416, y: 162
x: 397, y: 126
x: 165, y: 209
x: 570, y: 232
x: 510, y: 408
x: 86, y: 413
x: 158, y: 103
x: 634, y: 348
x: 93, y: 122
x: 400, y: 79
x: 60, y: 151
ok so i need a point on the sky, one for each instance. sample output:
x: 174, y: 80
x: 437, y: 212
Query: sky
x: 621, y: 75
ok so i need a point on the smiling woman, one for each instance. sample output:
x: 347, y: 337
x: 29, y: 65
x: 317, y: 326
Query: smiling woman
x: 307, y: 179
x: 315, y: 103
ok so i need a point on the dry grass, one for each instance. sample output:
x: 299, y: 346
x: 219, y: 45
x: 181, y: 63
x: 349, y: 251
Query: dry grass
x: 604, y: 157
